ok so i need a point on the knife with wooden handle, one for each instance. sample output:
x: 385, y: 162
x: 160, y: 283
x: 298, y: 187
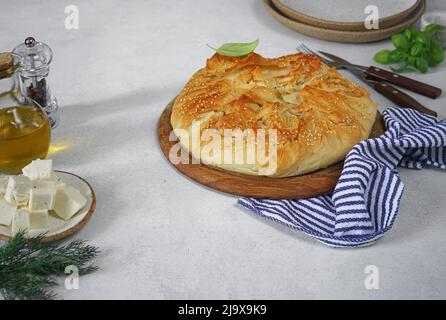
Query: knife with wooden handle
x: 401, y: 99
x: 385, y: 76
x: 410, y: 84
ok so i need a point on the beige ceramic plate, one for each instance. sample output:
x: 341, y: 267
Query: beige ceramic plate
x: 58, y: 228
x: 344, y: 36
x: 346, y: 15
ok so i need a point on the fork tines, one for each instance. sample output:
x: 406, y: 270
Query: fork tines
x: 302, y: 48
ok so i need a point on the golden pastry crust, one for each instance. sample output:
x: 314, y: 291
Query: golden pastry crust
x: 319, y: 114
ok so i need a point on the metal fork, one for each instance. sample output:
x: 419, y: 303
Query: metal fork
x: 338, y: 64
x: 302, y: 48
x: 395, y: 95
x: 375, y: 73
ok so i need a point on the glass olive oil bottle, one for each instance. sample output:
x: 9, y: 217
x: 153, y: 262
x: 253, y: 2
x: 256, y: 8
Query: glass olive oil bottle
x: 25, y: 135
x: 25, y: 131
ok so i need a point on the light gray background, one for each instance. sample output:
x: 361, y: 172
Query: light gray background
x: 163, y: 236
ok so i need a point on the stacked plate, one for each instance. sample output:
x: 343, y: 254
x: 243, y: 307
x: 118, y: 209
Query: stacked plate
x: 345, y: 20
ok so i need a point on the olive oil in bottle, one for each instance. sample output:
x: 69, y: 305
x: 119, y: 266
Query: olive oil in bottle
x: 25, y: 135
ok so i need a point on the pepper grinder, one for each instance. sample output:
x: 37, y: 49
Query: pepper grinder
x: 32, y: 77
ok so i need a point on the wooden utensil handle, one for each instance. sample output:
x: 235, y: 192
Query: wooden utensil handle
x: 402, y: 99
x: 410, y: 84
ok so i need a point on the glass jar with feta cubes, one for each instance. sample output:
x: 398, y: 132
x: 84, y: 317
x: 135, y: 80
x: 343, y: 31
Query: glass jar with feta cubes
x: 29, y: 200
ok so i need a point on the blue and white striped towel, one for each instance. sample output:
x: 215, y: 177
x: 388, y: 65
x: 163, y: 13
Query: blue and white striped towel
x: 365, y: 202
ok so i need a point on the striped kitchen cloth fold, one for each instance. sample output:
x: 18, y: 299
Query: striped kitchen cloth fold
x: 365, y: 202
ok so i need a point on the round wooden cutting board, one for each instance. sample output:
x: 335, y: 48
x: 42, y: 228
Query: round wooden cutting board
x: 310, y: 185
x: 346, y: 15
x: 342, y: 35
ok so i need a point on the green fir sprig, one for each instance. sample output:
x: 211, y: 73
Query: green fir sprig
x: 29, y: 266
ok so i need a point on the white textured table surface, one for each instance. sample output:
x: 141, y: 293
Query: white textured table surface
x: 163, y: 236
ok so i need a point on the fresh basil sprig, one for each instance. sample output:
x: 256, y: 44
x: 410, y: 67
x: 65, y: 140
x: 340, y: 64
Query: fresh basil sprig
x: 414, y: 49
x: 236, y: 49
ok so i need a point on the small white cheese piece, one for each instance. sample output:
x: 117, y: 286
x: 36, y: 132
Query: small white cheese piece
x: 42, y: 198
x: 38, y: 219
x: 38, y: 169
x: 6, y: 212
x: 68, y: 202
x: 57, y: 181
x: 27, y: 171
x: 17, y: 191
x: 20, y: 221
x: 43, y: 184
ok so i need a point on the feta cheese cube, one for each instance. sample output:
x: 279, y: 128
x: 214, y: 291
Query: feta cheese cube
x: 38, y: 219
x: 38, y: 169
x: 43, y: 184
x: 68, y: 202
x: 6, y: 212
x: 43, y: 198
x: 20, y: 221
x: 57, y: 181
x: 27, y: 171
x: 17, y: 190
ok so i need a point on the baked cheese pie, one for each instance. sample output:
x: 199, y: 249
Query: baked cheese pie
x: 317, y: 114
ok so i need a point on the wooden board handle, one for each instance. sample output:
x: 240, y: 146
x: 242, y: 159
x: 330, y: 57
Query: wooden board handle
x: 410, y: 84
x: 401, y: 99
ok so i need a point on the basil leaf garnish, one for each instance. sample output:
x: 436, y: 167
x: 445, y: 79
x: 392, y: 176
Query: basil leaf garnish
x: 237, y: 49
